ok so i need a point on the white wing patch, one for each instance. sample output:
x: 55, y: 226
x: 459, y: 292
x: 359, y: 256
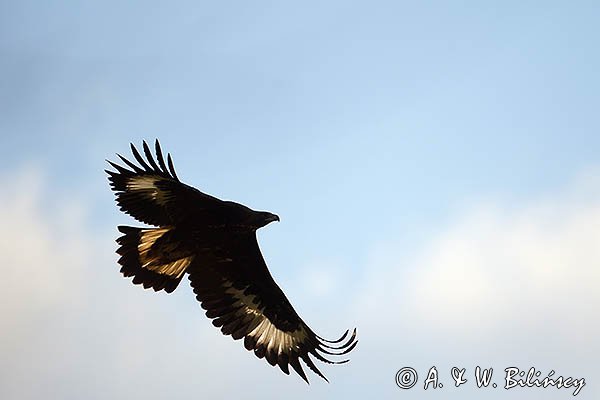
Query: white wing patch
x: 265, y: 332
x: 146, y: 186
x: 149, y: 237
x: 174, y: 268
x: 142, y: 183
x: 283, y: 340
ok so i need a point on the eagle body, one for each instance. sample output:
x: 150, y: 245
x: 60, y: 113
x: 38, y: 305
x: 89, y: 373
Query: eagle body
x: 214, y: 243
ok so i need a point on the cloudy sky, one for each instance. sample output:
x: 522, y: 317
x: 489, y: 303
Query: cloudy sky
x: 436, y: 167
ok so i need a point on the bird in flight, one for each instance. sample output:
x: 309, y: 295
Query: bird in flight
x: 214, y: 242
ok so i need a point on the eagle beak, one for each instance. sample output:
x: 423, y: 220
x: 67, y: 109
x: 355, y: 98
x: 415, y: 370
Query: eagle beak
x: 273, y: 217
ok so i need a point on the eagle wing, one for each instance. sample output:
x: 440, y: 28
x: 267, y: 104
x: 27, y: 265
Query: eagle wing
x: 241, y: 297
x: 152, y: 193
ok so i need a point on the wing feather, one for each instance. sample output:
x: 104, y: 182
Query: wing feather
x: 160, y: 158
x: 244, y: 301
x: 171, y: 168
x: 153, y: 194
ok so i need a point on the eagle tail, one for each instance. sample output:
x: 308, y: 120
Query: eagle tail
x: 141, y: 258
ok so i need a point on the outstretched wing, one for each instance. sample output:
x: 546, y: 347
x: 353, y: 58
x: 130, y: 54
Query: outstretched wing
x: 152, y: 193
x: 240, y: 296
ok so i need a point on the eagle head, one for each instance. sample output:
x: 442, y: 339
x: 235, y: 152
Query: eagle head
x: 263, y: 218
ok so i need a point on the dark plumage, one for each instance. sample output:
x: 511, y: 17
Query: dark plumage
x: 214, y: 242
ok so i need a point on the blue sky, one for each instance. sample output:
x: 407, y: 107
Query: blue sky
x: 378, y: 131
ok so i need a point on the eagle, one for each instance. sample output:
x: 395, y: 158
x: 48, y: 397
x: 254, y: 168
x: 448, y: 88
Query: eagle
x: 214, y: 243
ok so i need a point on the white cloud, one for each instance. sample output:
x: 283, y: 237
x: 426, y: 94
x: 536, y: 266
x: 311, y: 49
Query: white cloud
x: 505, y: 284
x: 41, y: 256
x: 73, y: 327
x: 537, y: 265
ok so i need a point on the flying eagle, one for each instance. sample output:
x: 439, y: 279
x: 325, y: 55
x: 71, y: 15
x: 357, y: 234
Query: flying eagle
x: 214, y: 242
